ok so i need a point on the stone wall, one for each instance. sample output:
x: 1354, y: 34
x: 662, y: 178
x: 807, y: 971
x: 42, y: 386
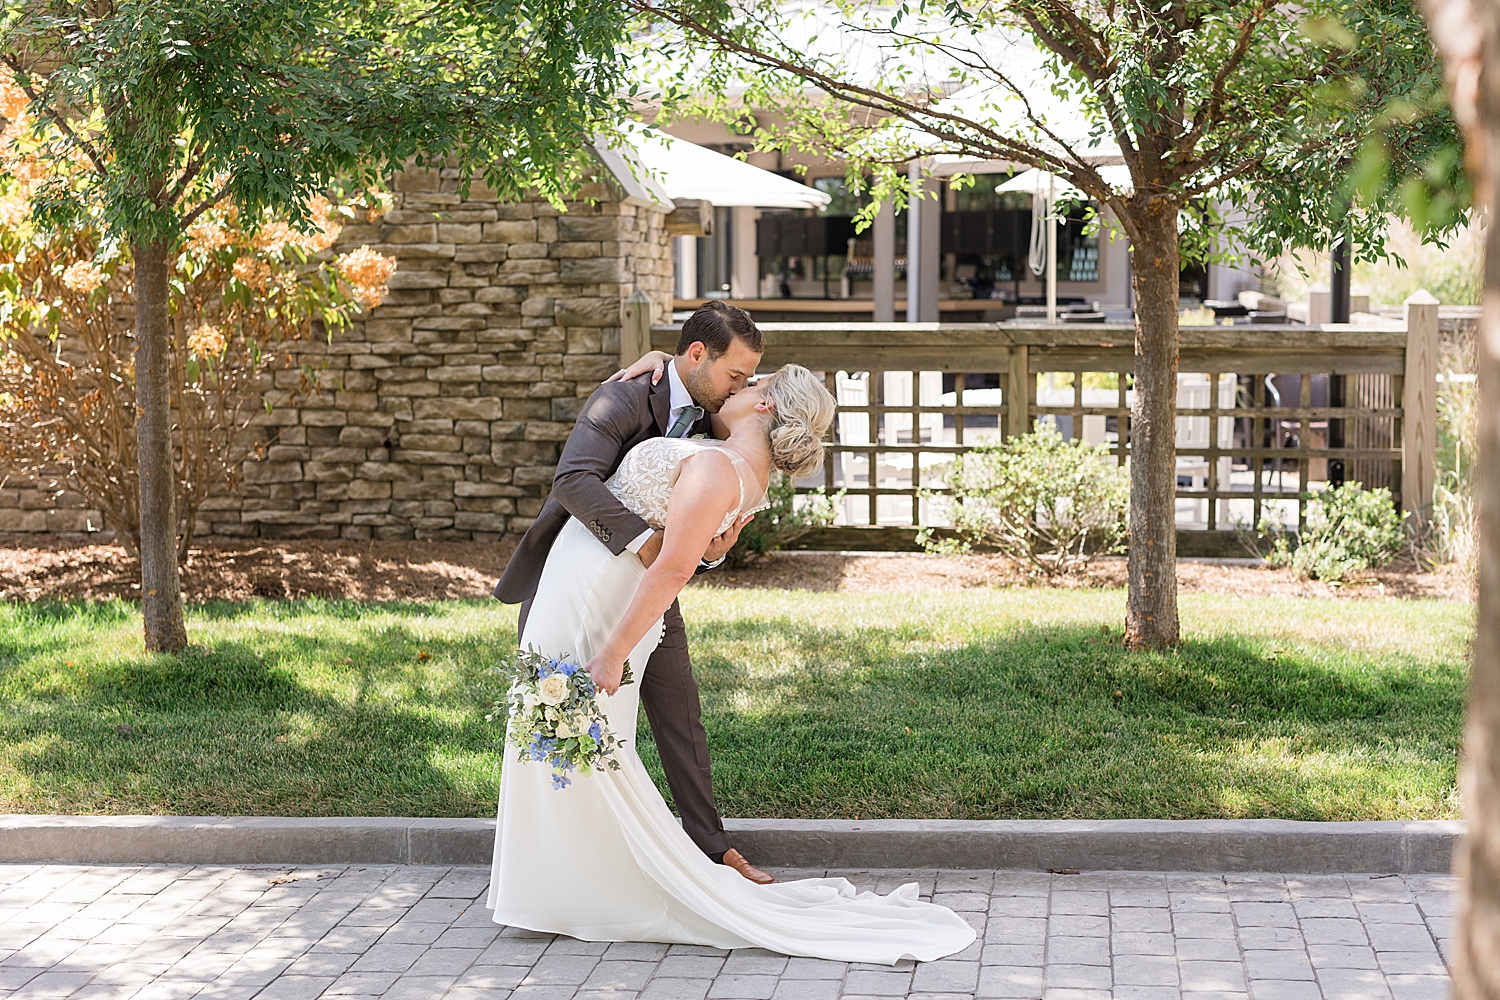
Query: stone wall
x: 440, y: 414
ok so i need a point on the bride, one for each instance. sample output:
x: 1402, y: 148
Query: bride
x: 604, y: 859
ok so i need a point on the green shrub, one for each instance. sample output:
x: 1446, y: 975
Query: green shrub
x: 789, y: 517
x: 1051, y: 504
x: 1349, y: 528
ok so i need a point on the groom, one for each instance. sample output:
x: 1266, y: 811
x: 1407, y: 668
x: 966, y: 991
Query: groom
x: 718, y: 351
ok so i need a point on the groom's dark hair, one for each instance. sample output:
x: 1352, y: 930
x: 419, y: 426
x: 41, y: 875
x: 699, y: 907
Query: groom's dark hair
x: 716, y: 324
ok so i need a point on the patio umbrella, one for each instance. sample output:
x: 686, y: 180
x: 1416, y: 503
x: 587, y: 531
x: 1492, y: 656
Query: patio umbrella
x: 656, y: 169
x: 1046, y: 190
x: 688, y: 170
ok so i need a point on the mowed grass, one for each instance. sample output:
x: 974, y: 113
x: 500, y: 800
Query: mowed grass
x: 978, y: 704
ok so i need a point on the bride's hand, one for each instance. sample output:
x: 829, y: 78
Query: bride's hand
x: 606, y: 672
x: 652, y: 361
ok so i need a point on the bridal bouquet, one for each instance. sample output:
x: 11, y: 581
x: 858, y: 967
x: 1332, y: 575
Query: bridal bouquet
x: 557, y: 716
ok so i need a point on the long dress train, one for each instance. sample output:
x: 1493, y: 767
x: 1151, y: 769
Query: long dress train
x: 605, y: 860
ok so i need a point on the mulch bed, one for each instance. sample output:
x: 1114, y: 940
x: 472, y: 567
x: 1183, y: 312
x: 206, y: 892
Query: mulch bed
x: 241, y: 570
x: 900, y: 572
x: 55, y: 569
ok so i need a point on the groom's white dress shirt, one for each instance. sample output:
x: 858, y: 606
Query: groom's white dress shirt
x: 679, y: 398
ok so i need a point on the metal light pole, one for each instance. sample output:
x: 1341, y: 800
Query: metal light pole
x: 1338, y: 284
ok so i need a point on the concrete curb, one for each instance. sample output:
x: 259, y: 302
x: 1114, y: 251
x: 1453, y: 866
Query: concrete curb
x: 1214, y: 845
x: 1259, y: 845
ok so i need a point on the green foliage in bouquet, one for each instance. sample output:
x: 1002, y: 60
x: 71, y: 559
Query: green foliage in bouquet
x: 787, y: 518
x: 1048, y: 503
x: 555, y: 715
x: 1349, y: 528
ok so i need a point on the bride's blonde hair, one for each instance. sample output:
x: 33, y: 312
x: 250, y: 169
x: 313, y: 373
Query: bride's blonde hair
x: 801, y: 411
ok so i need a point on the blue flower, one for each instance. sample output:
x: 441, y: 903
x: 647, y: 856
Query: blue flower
x: 541, y: 747
x: 561, y: 781
x: 597, y: 732
x: 568, y: 669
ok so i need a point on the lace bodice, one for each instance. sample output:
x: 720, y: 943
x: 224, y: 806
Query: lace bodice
x: 643, y: 482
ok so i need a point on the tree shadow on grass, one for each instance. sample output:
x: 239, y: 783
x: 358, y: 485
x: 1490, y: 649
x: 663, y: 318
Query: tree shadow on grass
x: 387, y: 717
x: 53, y: 612
x: 1060, y: 721
x: 371, y: 720
x: 367, y: 760
x: 1224, y: 676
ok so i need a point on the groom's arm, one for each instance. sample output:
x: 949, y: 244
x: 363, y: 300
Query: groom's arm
x: 610, y: 418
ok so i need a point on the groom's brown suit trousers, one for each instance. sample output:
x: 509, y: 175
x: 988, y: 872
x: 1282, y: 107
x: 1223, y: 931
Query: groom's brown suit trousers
x: 617, y: 417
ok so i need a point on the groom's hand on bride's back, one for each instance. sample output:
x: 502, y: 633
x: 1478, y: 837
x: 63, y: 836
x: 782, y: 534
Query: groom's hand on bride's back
x: 717, y: 549
x: 651, y: 548
x: 722, y: 543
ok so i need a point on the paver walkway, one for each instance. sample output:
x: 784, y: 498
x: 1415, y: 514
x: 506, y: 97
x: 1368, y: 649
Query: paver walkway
x: 411, y: 932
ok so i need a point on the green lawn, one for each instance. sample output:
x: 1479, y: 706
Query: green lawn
x: 978, y: 704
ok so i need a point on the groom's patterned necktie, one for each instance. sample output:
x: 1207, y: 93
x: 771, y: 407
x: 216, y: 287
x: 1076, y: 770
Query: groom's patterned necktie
x: 685, y: 421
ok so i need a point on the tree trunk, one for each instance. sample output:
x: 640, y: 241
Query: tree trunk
x: 1467, y: 33
x: 161, y: 591
x: 1476, y: 971
x: 1151, y: 607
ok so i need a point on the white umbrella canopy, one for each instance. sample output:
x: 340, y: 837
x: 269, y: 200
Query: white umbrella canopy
x: 1036, y: 180
x: 689, y: 171
x: 1042, y: 183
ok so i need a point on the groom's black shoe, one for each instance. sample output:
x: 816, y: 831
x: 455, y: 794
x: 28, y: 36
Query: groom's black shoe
x: 734, y: 859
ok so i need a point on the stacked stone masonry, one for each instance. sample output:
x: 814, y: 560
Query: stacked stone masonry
x: 440, y: 414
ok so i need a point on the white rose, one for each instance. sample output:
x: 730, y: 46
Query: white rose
x: 567, y: 728
x: 552, y: 690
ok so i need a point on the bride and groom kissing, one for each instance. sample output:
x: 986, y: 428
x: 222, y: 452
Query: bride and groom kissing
x: 667, y: 461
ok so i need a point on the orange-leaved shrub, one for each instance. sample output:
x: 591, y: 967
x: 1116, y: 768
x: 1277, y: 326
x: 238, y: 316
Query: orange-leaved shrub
x: 244, y: 292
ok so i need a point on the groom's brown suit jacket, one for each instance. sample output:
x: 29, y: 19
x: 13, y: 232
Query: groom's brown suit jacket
x: 616, y: 418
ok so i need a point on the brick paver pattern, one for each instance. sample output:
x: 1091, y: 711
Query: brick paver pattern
x: 236, y: 933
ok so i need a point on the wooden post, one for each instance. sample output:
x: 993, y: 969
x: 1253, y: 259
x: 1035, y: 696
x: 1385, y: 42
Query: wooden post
x: 1018, y: 398
x: 635, y: 327
x: 1419, y: 406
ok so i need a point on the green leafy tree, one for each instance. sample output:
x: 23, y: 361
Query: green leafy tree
x: 1220, y: 110
x: 177, y: 107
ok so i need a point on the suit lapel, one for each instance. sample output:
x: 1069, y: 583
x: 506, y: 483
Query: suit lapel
x: 660, y: 401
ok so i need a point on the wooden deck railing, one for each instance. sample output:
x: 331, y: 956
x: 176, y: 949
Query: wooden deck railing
x: 1265, y: 414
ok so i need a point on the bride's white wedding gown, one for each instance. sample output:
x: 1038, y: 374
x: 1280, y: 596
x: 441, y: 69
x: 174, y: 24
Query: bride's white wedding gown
x: 604, y: 859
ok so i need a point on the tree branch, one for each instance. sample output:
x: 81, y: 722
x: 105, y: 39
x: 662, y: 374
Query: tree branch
x: 56, y: 119
x: 204, y: 205
x: 194, y: 166
x: 927, y: 118
x: 1210, y: 115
